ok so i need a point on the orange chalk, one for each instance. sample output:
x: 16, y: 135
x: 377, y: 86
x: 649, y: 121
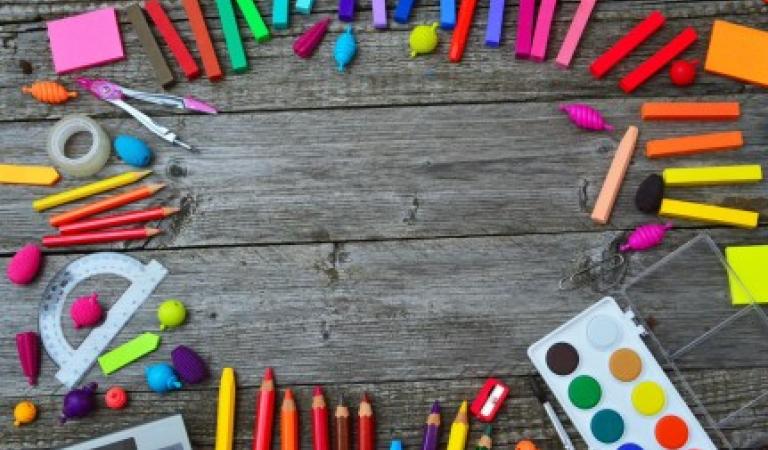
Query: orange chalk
x: 737, y: 51
x: 49, y: 92
x: 691, y: 145
x: 690, y: 111
x: 612, y: 184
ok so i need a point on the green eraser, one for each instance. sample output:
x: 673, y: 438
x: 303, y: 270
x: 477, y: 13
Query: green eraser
x: 232, y: 37
x: 255, y: 22
x: 129, y: 352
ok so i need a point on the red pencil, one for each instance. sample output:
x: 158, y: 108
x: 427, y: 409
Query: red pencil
x: 319, y: 421
x: 461, y: 33
x: 366, y: 434
x: 117, y: 220
x: 99, y: 237
x: 262, y: 427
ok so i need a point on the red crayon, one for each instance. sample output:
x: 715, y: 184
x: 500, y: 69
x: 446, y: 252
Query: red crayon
x: 319, y: 421
x: 117, y: 220
x: 99, y: 237
x: 658, y: 60
x: 624, y: 46
x: 461, y: 33
x: 262, y: 427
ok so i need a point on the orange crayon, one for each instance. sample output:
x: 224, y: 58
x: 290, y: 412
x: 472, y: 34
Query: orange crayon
x: 106, y: 204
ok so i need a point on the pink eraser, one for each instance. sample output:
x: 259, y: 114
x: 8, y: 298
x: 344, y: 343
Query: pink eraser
x: 86, y: 40
x: 543, y: 27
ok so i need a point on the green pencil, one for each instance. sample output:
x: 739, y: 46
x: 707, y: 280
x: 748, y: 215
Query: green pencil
x: 485, y: 441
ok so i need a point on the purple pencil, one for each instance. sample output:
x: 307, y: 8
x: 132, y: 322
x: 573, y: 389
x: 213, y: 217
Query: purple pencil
x: 495, y: 23
x: 525, y: 28
x: 432, y: 428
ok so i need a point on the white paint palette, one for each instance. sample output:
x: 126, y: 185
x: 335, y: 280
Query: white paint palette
x: 610, y: 385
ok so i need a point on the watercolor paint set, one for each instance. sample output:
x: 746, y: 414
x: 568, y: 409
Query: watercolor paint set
x: 618, y: 367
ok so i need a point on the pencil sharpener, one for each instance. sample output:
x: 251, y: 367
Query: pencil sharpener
x: 489, y: 399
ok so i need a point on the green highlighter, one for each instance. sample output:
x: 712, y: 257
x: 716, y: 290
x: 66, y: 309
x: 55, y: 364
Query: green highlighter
x: 129, y: 352
x: 255, y: 22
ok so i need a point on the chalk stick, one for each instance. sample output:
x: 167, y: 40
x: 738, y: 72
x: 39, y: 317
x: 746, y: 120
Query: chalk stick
x: 737, y: 51
x: 379, y: 14
x: 163, y: 73
x: 203, y: 39
x: 280, y: 12
x: 712, y: 175
x: 542, y: 30
x: 447, y: 14
x: 461, y: 32
x: 302, y: 7
x: 575, y: 31
x: 255, y: 21
x: 31, y: 175
x: 691, y: 145
x: 172, y: 38
x: 627, y: 44
x: 495, y: 23
x: 232, y: 38
x: 690, y: 111
x: 525, y: 15
x: 402, y: 10
x: 658, y: 60
x: 678, y: 209
x: 615, y: 177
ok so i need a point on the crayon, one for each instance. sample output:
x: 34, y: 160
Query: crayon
x: 88, y: 190
x: 225, y: 419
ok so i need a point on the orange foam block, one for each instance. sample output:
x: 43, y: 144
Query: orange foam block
x: 612, y: 184
x: 691, y: 145
x: 738, y: 52
x: 690, y: 111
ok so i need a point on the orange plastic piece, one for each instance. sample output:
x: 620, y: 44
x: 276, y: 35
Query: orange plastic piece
x: 49, y: 92
x: 736, y: 51
x: 691, y: 145
x: 690, y: 111
x: 671, y: 432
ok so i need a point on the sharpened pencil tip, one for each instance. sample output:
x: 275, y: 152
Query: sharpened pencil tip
x: 170, y: 210
x: 464, y: 406
x: 435, y: 407
x: 318, y: 391
x: 365, y: 398
x: 269, y: 374
x: 288, y: 394
x: 153, y: 231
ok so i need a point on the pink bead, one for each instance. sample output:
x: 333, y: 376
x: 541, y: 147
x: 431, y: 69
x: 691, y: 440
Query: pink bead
x: 86, y: 311
x: 306, y: 44
x: 585, y: 117
x: 645, y: 237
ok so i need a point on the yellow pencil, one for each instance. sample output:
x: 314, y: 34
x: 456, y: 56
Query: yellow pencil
x: 225, y: 420
x: 459, y: 429
x: 87, y: 190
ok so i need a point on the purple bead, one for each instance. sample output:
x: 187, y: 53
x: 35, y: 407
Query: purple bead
x: 188, y: 364
x: 79, y: 402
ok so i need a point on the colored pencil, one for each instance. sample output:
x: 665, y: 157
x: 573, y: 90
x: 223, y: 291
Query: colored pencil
x: 99, y: 237
x: 289, y: 423
x: 461, y: 32
x: 88, y: 190
x: 457, y: 440
x: 485, y: 442
x: 117, y: 220
x: 341, y: 423
x: 106, y: 204
x: 262, y: 427
x: 319, y: 421
x: 432, y: 428
x: 225, y: 419
x: 366, y: 433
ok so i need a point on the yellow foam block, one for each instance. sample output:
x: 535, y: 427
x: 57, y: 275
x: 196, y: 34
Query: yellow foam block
x: 738, y: 52
x: 708, y: 213
x: 748, y: 263
x: 704, y: 176
x: 35, y: 175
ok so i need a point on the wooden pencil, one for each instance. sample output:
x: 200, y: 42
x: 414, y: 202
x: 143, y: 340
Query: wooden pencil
x: 341, y: 424
x: 117, y: 220
x: 289, y: 423
x: 99, y: 237
x: 107, y: 204
x: 262, y: 426
x: 319, y: 420
x: 485, y: 442
x: 432, y: 428
x: 366, y: 434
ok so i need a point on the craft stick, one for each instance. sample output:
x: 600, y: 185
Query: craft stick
x: 203, y: 39
x: 32, y: 175
x: 447, y: 14
x: 379, y: 9
x: 712, y: 175
x: 163, y: 73
x: 627, y: 44
x: 612, y: 184
x: 575, y: 31
x: 461, y: 32
x: 232, y: 38
x: 678, y: 209
x: 690, y: 111
x: 302, y: 7
x: 658, y: 60
x: 525, y: 28
x: 280, y: 12
x: 691, y: 145
x: 172, y: 39
x: 543, y: 27
x: 403, y: 10
x: 254, y: 20
x: 495, y: 23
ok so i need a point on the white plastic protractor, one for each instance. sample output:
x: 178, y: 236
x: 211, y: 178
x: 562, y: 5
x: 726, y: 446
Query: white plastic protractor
x: 75, y: 363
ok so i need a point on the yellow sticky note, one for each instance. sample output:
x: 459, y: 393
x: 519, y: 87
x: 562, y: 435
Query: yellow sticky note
x: 750, y: 263
x: 738, y: 52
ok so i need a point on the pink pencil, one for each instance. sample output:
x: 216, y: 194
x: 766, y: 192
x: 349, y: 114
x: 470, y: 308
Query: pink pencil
x: 525, y: 28
x: 576, y: 30
x: 541, y: 32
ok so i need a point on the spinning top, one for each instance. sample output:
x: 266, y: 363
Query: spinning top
x: 86, y: 311
x: 305, y: 45
x: 116, y: 398
x: 585, y: 117
x: 79, y: 402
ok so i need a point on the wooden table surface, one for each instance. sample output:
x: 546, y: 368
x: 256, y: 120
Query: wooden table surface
x: 399, y: 229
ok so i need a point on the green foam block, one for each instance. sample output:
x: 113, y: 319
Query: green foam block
x: 129, y: 352
x: 255, y: 22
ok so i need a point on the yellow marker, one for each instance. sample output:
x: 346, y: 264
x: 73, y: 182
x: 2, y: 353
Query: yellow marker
x: 459, y: 429
x: 703, y: 176
x: 36, y: 175
x: 708, y: 213
x: 87, y: 190
x: 225, y: 420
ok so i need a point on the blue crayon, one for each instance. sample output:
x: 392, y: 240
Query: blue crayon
x: 403, y: 11
x: 303, y: 6
x: 447, y: 14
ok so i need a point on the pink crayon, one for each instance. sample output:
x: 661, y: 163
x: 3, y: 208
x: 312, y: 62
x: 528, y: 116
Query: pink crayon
x: 28, y: 347
x: 645, y: 236
x: 585, y: 117
x: 305, y: 45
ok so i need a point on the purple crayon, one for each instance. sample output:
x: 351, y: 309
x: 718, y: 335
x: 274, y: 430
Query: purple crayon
x: 305, y: 45
x: 28, y: 347
x: 432, y: 428
x: 645, y: 236
x: 585, y: 117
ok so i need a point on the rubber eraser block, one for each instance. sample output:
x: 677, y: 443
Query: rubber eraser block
x: 738, y: 52
x: 85, y: 40
x: 748, y: 263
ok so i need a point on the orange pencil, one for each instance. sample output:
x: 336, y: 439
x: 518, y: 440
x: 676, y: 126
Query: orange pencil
x: 289, y: 423
x: 99, y: 237
x: 262, y: 427
x: 366, y: 433
x: 106, y: 204
x: 319, y: 420
x: 691, y: 145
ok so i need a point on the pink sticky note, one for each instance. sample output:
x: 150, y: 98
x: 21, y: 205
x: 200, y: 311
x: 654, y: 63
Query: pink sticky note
x: 86, y: 40
x: 571, y: 41
x: 541, y: 32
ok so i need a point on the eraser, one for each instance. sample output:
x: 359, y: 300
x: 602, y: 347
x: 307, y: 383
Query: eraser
x: 85, y: 40
x: 172, y: 38
x: 692, y: 145
x: 163, y: 73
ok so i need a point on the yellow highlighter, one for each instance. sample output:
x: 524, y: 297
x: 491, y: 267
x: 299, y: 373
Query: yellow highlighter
x: 87, y: 190
x: 457, y: 440
x: 708, y: 213
x: 712, y: 175
x: 33, y: 175
x: 225, y: 419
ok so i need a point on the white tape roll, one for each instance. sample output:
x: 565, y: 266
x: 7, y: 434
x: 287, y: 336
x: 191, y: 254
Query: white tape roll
x: 91, y: 162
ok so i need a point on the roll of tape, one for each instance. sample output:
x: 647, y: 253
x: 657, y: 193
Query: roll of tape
x: 93, y: 160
